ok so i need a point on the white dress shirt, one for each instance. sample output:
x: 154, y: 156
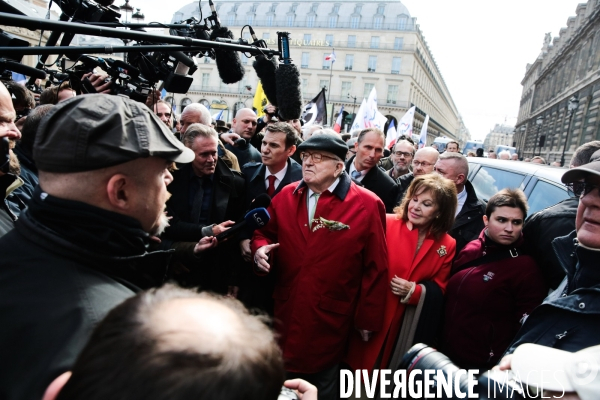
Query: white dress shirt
x: 278, y: 177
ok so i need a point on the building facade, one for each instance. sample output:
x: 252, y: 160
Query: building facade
x: 376, y: 44
x: 500, y: 135
x: 561, y: 90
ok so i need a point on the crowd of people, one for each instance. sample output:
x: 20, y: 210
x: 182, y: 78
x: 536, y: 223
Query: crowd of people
x: 111, y: 262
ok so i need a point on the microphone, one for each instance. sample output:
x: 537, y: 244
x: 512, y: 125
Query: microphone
x: 263, y: 200
x: 287, y: 79
x: 214, y: 16
x: 186, y: 65
x: 253, y: 220
x: 33, y: 73
x: 265, y: 70
x: 229, y: 64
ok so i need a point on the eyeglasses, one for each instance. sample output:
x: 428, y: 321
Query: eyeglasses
x: 423, y: 164
x: 403, y: 153
x: 582, y: 189
x: 168, y: 115
x: 316, y: 157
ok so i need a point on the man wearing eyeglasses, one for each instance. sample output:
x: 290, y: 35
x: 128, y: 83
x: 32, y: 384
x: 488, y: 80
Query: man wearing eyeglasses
x: 325, y: 243
x: 423, y: 163
x: 402, y: 156
x: 559, y: 220
x: 568, y: 317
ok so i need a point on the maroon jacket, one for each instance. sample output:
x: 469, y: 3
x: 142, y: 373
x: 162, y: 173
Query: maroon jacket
x: 485, y: 304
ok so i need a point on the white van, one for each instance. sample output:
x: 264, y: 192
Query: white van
x: 472, y: 145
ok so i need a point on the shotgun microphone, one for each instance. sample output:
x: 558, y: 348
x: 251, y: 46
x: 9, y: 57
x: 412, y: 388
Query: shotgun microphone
x: 229, y: 64
x: 287, y: 79
x: 19, y: 68
x: 265, y: 70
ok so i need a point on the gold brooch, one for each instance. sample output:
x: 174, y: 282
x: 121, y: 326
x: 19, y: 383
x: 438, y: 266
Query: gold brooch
x: 442, y: 251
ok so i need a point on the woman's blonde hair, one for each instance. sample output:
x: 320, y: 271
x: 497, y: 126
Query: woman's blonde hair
x: 443, y: 192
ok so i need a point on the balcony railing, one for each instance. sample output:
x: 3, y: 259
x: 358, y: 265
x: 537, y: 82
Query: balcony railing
x: 301, y: 22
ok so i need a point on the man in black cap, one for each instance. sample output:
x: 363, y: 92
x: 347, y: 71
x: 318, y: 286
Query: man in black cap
x: 568, y: 317
x: 330, y: 267
x: 82, y: 245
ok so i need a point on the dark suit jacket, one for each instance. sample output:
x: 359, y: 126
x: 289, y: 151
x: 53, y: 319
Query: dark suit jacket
x: 219, y: 267
x: 380, y: 183
x: 255, y: 184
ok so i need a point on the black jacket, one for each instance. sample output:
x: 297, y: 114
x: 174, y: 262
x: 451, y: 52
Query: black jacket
x: 403, y: 183
x: 380, y: 183
x: 245, y: 153
x: 63, y: 267
x: 569, y: 318
x: 468, y: 224
x: 541, y: 229
x: 219, y: 267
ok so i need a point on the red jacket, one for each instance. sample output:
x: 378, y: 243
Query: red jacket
x: 485, y: 304
x: 432, y: 263
x: 328, y: 282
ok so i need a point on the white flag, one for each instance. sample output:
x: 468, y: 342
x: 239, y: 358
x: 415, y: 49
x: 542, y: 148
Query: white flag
x: 359, y: 120
x: 405, y: 125
x: 423, y: 137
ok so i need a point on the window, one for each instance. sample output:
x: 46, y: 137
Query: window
x: 372, y: 63
x: 398, y: 43
x: 402, y: 22
x: 293, y: 7
x: 304, y: 85
x: 326, y: 63
x: 231, y: 19
x: 380, y: 9
x: 235, y: 7
x: 266, y: 35
x: 333, y: 21
x: 206, y: 60
x: 346, y: 88
x: 310, y: 21
x: 205, y: 103
x: 374, y: 42
x: 269, y: 20
x: 290, y: 20
x: 349, y: 62
x: 184, y: 103
x: 244, y: 58
x: 304, y: 63
x: 354, y: 22
x: 544, y: 195
x: 368, y: 88
x: 351, y: 40
x: 392, y: 95
x: 307, y: 37
x: 273, y: 7
x: 336, y: 8
x: 205, y: 81
x: 396, y: 63
x: 358, y: 9
x: 323, y: 83
x: 489, y: 181
x: 314, y: 7
x: 250, y: 20
x: 329, y: 40
x: 253, y: 9
x: 378, y: 22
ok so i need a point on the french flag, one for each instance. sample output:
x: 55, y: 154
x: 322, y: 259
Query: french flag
x: 338, y: 122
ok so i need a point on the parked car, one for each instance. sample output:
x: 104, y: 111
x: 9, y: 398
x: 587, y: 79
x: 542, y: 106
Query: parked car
x: 541, y: 183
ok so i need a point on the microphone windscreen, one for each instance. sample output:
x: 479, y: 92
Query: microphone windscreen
x: 257, y: 218
x: 229, y: 64
x: 265, y: 70
x: 289, y: 94
x: 263, y: 200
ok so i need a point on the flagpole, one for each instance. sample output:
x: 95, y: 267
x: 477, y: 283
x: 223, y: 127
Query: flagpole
x: 329, y: 94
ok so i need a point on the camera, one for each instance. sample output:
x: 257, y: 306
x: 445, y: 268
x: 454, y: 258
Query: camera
x: 287, y: 394
x: 489, y: 385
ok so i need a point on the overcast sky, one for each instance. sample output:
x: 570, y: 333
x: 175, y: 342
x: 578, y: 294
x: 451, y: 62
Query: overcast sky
x: 480, y: 46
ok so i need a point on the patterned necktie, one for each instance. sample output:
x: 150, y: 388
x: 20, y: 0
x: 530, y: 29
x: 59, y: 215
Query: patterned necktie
x: 356, y: 174
x: 271, y: 188
x: 311, y: 213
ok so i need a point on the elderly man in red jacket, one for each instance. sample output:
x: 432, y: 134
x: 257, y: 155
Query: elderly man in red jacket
x: 330, y: 263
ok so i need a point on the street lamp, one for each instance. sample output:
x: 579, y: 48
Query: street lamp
x: 539, y: 121
x: 125, y: 7
x: 572, y: 106
x: 138, y: 16
x: 354, y: 105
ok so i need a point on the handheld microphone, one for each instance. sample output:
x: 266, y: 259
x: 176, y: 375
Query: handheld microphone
x: 229, y: 64
x: 253, y: 220
x: 265, y: 70
x: 19, y: 68
x: 263, y: 200
x: 287, y: 79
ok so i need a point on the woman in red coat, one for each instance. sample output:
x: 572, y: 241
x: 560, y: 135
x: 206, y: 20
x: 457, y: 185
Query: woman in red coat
x: 419, y: 249
x: 493, y: 287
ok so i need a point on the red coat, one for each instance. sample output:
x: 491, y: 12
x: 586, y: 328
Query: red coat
x: 430, y: 264
x: 328, y: 283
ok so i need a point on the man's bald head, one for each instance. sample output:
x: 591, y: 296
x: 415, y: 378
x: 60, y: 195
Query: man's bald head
x: 453, y: 166
x: 244, y: 123
x: 180, y: 344
x: 194, y: 113
x: 424, y: 160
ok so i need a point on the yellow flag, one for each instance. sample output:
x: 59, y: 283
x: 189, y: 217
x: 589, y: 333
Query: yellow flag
x: 260, y: 100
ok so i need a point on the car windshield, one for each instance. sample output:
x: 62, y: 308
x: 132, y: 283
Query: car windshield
x: 489, y: 181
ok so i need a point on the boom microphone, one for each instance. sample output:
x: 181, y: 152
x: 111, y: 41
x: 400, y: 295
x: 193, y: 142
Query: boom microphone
x: 287, y: 79
x: 22, y: 69
x: 229, y: 64
x: 254, y: 219
x: 265, y: 70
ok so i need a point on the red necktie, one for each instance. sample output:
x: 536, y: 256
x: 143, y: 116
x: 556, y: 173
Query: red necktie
x: 271, y: 188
